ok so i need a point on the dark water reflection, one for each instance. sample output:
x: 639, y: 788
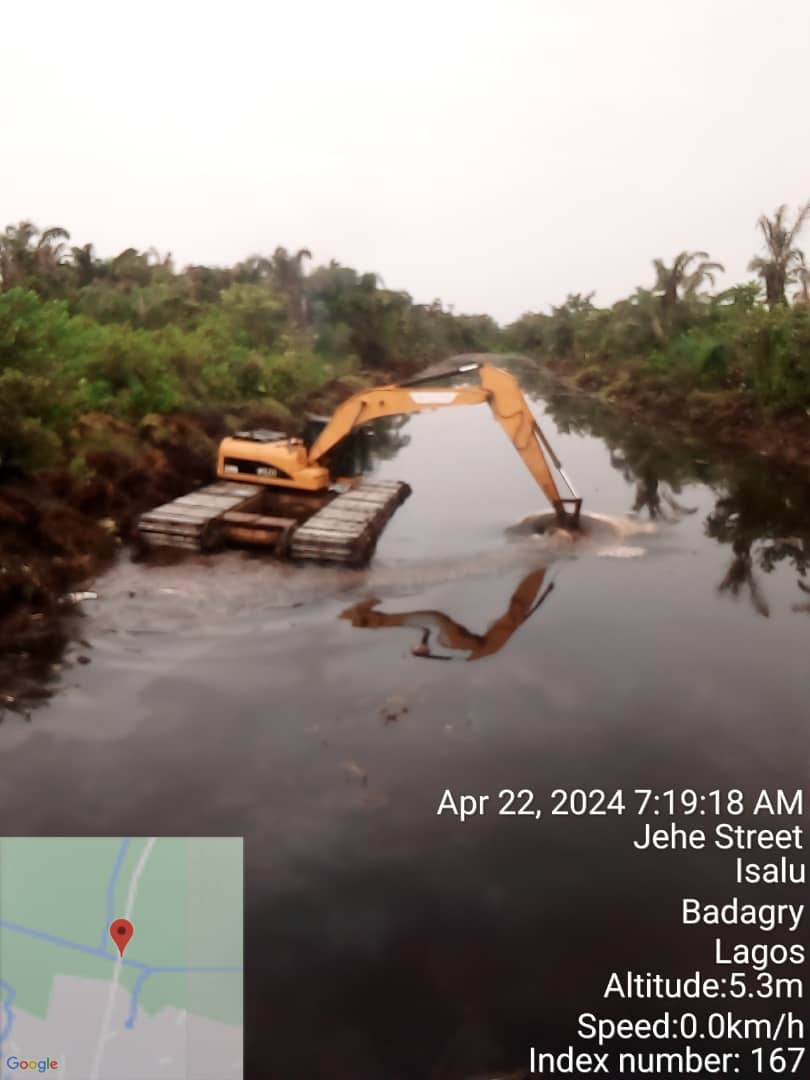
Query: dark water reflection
x: 385, y: 941
x: 440, y: 637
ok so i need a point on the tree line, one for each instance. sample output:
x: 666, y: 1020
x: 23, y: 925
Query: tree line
x: 751, y: 340
x: 132, y: 335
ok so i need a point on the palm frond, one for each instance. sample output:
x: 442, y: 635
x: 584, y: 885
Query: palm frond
x: 54, y: 233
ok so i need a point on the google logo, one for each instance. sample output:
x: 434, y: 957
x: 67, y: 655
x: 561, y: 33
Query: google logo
x: 42, y: 1065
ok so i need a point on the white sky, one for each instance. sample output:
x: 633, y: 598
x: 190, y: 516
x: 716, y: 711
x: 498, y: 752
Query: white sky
x: 496, y: 155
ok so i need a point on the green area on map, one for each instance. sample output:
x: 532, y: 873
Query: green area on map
x: 187, y: 912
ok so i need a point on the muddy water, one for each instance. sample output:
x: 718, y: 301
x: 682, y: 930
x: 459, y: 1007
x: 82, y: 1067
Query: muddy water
x: 228, y: 695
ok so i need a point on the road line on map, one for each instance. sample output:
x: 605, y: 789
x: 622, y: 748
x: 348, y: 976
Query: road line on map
x: 29, y: 931
x: 133, y: 885
x: 110, y: 905
x: 133, y: 999
x: 42, y: 936
x: 133, y: 888
x: 11, y: 993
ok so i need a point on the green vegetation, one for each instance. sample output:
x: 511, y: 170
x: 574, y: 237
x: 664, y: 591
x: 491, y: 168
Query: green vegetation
x: 130, y: 337
x: 748, y: 345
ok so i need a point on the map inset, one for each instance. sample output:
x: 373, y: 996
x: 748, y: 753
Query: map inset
x: 81, y: 1002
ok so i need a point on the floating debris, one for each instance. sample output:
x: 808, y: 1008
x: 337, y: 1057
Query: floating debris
x: 370, y: 798
x: 357, y: 772
x: 393, y: 708
x: 79, y: 597
x: 620, y: 552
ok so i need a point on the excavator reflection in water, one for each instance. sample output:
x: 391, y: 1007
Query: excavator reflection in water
x: 525, y: 600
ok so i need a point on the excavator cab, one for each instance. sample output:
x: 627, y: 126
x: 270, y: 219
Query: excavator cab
x: 276, y: 460
x: 272, y: 459
x: 350, y: 457
x: 249, y: 459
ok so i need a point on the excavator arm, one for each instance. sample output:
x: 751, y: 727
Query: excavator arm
x: 498, y: 388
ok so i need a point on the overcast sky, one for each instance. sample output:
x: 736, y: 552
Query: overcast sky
x: 496, y: 155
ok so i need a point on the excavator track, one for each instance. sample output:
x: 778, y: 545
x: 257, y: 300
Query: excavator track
x: 196, y: 521
x: 347, y: 529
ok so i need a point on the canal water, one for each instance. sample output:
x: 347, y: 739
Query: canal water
x: 323, y: 714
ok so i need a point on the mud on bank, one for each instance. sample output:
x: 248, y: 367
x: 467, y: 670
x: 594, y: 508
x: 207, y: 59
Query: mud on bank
x: 61, y: 528
x: 726, y: 418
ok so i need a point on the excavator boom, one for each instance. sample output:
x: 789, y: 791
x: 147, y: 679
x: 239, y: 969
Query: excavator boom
x: 498, y: 388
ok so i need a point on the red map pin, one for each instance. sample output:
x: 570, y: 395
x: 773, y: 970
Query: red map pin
x: 121, y: 930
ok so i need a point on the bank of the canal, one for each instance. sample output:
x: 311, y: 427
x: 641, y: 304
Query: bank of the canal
x: 61, y: 528
x: 730, y: 419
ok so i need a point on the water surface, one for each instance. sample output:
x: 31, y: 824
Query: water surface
x: 226, y: 695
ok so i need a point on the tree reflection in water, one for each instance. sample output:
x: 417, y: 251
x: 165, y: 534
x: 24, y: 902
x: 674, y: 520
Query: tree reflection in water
x: 804, y: 606
x: 761, y: 512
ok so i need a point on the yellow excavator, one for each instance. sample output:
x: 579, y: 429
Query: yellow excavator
x: 282, y: 462
x: 264, y: 474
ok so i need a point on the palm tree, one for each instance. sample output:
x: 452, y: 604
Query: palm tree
x: 85, y: 263
x: 779, y: 265
x: 253, y: 269
x: 287, y: 274
x: 130, y: 268
x: 50, y: 250
x: 634, y: 323
x: 15, y: 253
x: 683, y: 278
x: 23, y: 257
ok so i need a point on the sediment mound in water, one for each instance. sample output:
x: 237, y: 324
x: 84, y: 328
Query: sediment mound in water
x: 599, y: 528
